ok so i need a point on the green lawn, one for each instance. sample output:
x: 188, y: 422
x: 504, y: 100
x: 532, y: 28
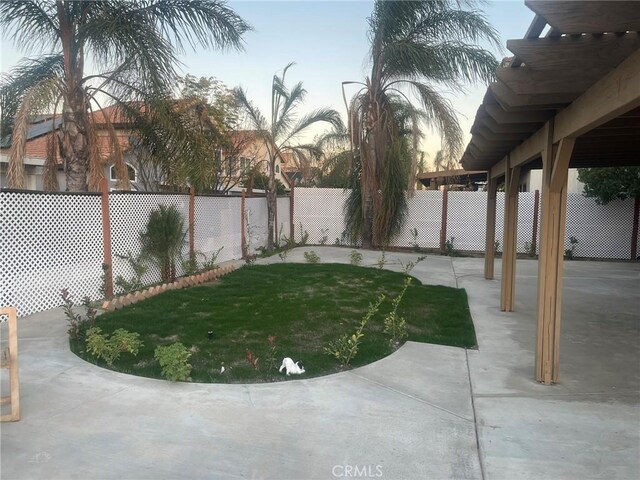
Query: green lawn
x: 304, y: 306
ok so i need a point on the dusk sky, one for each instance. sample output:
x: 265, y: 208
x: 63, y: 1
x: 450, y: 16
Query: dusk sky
x: 327, y: 41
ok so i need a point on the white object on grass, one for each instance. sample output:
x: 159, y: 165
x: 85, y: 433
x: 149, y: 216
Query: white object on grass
x: 291, y: 367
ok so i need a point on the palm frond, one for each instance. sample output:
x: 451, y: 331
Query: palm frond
x: 30, y: 24
x: 327, y: 115
x: 256, y: 118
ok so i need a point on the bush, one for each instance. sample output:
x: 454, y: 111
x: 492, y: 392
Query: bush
x: 311, y: 257
x: 110, y: 348
x: 174, y: 361
x: 163, y: 239
x: 78, y: 324
x: 356, y: 257
x: 394, y: 325
x: 345, y: 348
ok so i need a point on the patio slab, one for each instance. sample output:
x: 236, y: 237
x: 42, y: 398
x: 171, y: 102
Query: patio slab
x: 427, y: 411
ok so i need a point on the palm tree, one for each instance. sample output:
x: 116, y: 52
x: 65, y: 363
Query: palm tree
x: 281, y: 133
x: 132, y: 44
x: 417, y: 50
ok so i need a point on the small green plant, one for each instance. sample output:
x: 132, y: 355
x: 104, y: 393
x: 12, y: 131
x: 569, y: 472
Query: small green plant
x: 103, y: 281
x: 324, y: 239
x: 272, y: 354
x: 382, y: 260
x: 496, y: 247
x: 449, y: 247
x: 174, y: 361
x: 304, y: 236
x: 139, y: 269
x: 190, y: 265
x: 345, y: 348
x: 252, y: 359
x: 78, y: 324
x: 311, y: 257
x: 356, y: 257
x: 211, y: 263
x: 109, y: 348
x: 414, y: 243
x: 530, y: 249
x: 283, y: 254
x: 394, y: 325
x: 411, y: 265
x: 569, y: 252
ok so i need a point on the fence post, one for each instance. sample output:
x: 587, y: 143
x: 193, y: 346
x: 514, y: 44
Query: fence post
x: 291, y: 224
x: 443, y: 227
x: 534, y: 237
x: 634, y: 233
x: 242, y: 222
x: 107, y: 264
x: 192, y: 216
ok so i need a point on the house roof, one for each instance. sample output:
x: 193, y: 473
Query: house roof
x: 570, y: 74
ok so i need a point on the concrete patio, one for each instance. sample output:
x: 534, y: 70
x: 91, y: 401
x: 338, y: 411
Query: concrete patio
x: 427, y: 411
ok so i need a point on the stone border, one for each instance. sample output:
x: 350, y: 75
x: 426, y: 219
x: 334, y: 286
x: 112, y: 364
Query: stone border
x: 183, y: 282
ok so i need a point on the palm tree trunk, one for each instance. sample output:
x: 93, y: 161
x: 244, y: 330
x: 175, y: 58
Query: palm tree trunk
x: 368, y: 187
x: 74, y: 144
x: 272, y: 199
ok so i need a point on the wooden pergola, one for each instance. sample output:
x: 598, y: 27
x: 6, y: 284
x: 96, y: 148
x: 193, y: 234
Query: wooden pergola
x: 570, y: 98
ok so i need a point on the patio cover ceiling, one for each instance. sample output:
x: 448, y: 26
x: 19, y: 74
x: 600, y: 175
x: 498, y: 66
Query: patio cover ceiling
x: 587, y: 41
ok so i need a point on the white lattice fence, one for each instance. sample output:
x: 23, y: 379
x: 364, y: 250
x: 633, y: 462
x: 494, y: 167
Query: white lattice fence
x: 320, y: 211
x: 284, y: 218
x: 48, y: 242
x: 602, y: 231
x: 217, y: 224
x: 129, y: 213
x: 256, y: 219
x: 424, y: 214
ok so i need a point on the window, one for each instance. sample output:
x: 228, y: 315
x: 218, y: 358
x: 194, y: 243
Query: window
x: 245, y: 164
x: 114, y: 174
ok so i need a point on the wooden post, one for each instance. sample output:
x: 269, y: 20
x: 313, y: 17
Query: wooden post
x: 443, y: 224
x: 292, y: 227
x: 510, y: 234
x: 242, y: 222
x: 11, y: 362
x: 534, y: 236
x: 192, y: 215
x: 550, y: 263
x: 106, y: 239
x: 634, y: 233
x: 490, y: 240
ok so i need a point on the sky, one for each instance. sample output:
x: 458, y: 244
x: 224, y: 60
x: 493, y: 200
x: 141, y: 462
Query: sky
x: 328, y: 42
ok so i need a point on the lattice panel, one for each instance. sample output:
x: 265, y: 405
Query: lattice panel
x: 466, y: 220
x: 602, y: 231
x: 129, y: 214
x: 217, y: 224
x: 284, y: 218
x: 320, y: 210
x: 425, y: 215
x: 256, y: 219
x: 48, y: 242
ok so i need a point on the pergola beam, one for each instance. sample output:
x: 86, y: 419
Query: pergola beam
x: 616, y: 93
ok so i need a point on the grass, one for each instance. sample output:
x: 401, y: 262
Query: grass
x: 304, y: 306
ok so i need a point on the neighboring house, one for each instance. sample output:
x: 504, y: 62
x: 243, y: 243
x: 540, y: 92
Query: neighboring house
x: 250, y: 152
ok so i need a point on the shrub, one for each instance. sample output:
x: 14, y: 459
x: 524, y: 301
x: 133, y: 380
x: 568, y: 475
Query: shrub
x: 356, y: 257
x: 272, y: 354
x: 110, y: 348
x: 311, y: 257
x: 77, y: 323
x: 163, y: 239
x: 394, y: 325
x: 139, y: 269
x: 174, y: 361
x: 569, y: 252
x: 411, y: 265
x: 382, y: 260
x: 449, y: 248
x: 345, y: 348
